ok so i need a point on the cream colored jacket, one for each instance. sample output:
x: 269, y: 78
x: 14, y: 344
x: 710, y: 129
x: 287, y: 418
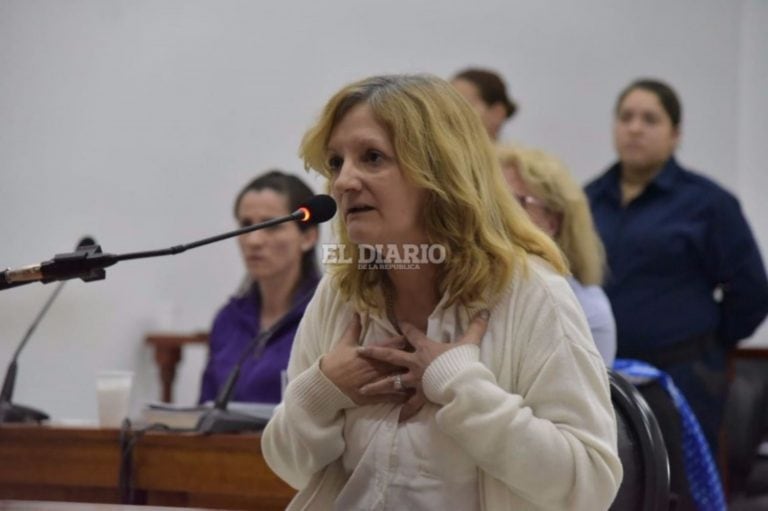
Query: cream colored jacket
x: 531, y: 405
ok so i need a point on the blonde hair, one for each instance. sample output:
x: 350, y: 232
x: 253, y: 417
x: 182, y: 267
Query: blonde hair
x: 441, y: 147
x: 551, y: 182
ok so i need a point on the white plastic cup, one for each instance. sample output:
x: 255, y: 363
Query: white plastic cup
x: 113, y: 392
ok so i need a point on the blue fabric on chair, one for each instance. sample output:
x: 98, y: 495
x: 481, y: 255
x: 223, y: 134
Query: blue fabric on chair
x: 701, y: 471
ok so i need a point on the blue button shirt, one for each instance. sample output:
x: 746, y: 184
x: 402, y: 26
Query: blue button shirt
x: 682, y: 261
x: 597, y: 308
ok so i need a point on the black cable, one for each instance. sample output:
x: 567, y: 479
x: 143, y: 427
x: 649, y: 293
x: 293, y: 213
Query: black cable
x: 128, y: 439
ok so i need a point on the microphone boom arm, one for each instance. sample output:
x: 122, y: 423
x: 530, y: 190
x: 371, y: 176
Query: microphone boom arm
x: 88, y: 263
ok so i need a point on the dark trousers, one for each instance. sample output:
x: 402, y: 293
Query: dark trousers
x: 697, y: 368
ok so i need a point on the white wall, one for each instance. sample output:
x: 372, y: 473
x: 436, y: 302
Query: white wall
x: 136, y: 122
x: 753, y: 127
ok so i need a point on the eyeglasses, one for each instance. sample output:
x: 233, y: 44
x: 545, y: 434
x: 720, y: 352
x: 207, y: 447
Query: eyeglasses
x: 528, y: 201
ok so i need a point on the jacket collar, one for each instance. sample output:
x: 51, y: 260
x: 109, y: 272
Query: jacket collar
x: 665, y: 180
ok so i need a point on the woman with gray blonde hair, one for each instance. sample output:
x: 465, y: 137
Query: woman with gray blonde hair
x: 469, y: 382
x: 557, y: 204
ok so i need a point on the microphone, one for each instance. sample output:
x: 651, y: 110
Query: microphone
x: 88, y: 263
x: 221, y: 420
x: 318, y: 209
x: 10, y: 412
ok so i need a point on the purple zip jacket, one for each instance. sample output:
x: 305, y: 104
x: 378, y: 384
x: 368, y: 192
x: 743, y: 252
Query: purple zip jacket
x: 234, y: 327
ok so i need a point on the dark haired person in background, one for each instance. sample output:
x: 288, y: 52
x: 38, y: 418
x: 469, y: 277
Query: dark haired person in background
x: 487, y: 93
x: 282, y: 276
x: 686, y: 280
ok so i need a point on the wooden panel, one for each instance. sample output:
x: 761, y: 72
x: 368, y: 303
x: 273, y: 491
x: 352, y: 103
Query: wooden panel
x: 15, y: 505
x: 80, y: 464
x: 43, y: 455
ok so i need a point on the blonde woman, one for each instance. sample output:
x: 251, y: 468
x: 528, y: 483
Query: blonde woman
x: 456, y: 377
x: 556, y: 203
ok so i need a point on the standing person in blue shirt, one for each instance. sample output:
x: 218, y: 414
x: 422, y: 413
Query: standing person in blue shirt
x: 281, y: 278
x: 686, y: 280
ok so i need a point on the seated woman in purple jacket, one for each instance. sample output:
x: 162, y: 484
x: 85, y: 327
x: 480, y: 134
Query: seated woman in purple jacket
x: 282, y: 276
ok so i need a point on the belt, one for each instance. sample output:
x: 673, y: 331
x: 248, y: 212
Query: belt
x: 684, y: 351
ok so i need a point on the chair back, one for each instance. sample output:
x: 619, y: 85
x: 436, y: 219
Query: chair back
x: 645, y: 486
x: 745, y: 425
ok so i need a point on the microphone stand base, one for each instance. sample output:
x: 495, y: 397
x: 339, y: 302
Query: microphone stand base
x: 10, y: 412
x: 217, y: 420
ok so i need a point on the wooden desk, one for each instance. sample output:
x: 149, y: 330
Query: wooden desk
x: 170, y: 469
x: 168, y: 354
x: 39, y: 505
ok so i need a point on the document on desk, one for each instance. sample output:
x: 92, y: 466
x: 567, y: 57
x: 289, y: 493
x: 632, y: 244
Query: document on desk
x: 186, y: 417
